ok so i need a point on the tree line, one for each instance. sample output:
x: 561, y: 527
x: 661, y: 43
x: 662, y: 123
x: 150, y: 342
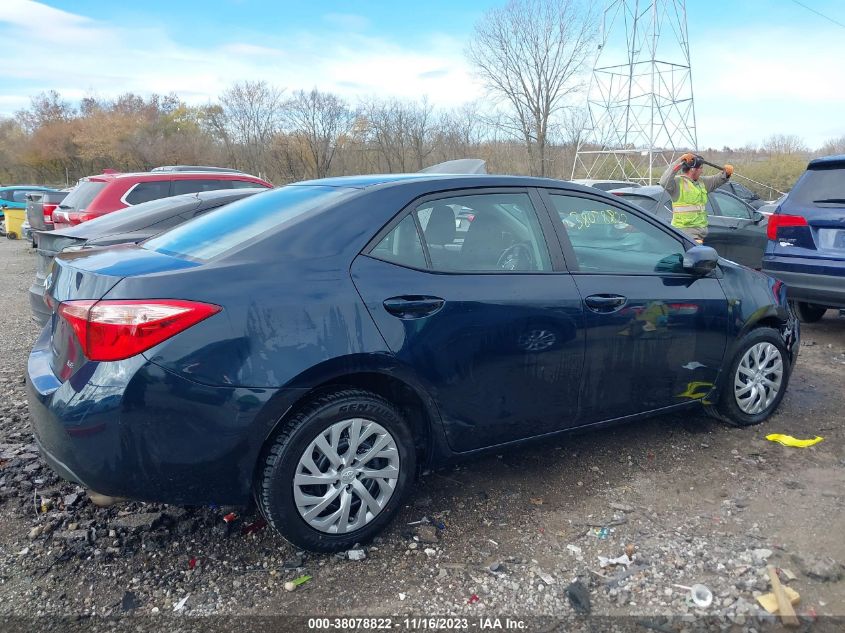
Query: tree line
x: 530, y: 55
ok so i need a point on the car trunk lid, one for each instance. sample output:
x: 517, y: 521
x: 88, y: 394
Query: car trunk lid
x: 89, y: 275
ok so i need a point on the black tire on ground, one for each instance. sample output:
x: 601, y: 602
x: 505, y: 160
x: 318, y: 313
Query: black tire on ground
x: 808, y: 312
x: 274, y: 489
x: 726, y: 409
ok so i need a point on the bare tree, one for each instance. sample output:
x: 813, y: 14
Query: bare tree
x: 402, y: 132
x: 529, y: 54
x: 784, y: 144
x: 45, y: 108
x: 321, y: 122
x: 251, y: 115
x: 833, y: 146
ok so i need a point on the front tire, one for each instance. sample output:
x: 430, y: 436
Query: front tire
x: 808, y: 312
x: 756, y: 381
x: 337, y: 472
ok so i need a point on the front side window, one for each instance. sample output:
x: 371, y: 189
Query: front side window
x: 503, y: 234
x: 731, y: 207
x: 146, y: 191
x: 609, y: 239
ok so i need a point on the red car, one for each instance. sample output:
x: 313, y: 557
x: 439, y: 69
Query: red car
x: 98, y: 195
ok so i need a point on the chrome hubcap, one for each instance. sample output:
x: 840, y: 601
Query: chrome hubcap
x: 346, y: 476
x: 758, y: 378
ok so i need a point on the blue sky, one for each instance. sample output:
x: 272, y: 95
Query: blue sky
x: 757, y: 65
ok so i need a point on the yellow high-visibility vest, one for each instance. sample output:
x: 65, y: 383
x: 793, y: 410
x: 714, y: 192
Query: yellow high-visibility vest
x: 690, y: 209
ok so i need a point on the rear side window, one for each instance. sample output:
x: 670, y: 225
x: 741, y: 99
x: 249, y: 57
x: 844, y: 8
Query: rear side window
x: 819, y: 187
x: 402, y: 245
x: 19, y: 195
x: 503, y: 236
x: 197, y: 185
x: 243, y: 221
x: 146, y: 191
x: 83, y: 195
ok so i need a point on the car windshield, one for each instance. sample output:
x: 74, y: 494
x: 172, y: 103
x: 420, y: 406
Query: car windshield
x: 235, y: 224
x: 82, y: 195
x: 819, y: 186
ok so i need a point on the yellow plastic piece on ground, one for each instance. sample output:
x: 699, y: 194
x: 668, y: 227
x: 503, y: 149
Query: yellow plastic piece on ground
x: 788, y: 440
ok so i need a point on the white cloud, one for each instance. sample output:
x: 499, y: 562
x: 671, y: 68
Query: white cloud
x: 79, y: 56
x: 753, y: 82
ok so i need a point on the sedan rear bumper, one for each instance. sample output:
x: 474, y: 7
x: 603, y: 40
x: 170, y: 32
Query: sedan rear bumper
x: 132, y: 429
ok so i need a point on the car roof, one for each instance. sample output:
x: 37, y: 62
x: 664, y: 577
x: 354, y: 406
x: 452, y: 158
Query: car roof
x: 588, y: 181
x: 169, y: 175
x: 651, y: 191
x: 828, y: 161
x: 35, y: 187
x: 455, y: 180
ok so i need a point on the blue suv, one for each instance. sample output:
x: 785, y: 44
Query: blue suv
x: 806, y: 247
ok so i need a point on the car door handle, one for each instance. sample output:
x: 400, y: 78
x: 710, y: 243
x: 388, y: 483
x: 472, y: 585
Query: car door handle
x: 413, y: 306
x: 605, y: 303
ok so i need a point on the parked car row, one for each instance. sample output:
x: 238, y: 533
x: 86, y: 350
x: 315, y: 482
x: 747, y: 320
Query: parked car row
x: 315, y: 345
x: 129, y: 225
x: 13, y: 201
x: 735, y: 229
x: 98, y: 195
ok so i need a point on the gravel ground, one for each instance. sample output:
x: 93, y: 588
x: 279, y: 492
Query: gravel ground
x: 690, y: 500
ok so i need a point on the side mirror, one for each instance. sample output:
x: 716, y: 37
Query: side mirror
x: 700, y: 260
x: 757, y: 217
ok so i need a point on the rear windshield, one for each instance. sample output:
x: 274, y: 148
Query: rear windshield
x: 240, y: 222
x: 820, y: 187
x: 82, y: 195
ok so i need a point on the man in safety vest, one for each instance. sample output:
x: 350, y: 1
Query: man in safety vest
x: 689, y: 193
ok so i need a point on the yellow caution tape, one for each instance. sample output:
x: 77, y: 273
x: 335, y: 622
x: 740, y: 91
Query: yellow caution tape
x: 788, y: 440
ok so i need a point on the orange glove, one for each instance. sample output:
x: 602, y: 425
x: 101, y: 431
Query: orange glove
x: 729, y: 170
x: 687, y: 158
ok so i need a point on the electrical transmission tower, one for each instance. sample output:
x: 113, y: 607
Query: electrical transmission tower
x: 640, y: 97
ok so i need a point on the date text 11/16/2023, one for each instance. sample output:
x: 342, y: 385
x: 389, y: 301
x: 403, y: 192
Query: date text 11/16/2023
x: 417, y: 623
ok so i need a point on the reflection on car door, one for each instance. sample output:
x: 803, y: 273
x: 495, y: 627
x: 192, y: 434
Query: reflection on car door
x: 655, y: 335
x: 735, y: 234
x: 491, y: 323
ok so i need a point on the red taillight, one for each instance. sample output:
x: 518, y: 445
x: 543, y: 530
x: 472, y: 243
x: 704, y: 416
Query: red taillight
x: 117, y: 329
x: 470, y: 216
x: 79, y: 217
x: 776, y: 220
x: 48, y: 210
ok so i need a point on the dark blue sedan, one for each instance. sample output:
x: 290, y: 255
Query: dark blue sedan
x: 315, y: 346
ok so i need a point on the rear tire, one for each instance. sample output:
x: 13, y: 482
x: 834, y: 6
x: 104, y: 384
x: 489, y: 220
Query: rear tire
x: 756, y: 381
x: 808, y: 312
x: 331, y: 451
